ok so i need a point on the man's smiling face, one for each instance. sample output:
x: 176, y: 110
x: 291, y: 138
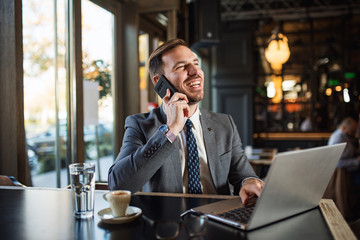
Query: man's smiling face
x: 181, y: 68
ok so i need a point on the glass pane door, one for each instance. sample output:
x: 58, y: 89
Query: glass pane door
x: 98, y: 64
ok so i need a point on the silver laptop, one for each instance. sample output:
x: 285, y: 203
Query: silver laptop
x: 295, y: 183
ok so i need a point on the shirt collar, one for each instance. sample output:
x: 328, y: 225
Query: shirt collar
x: 195, y: 119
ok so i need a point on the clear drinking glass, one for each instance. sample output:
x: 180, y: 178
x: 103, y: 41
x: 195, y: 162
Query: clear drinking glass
x: 82, y: 177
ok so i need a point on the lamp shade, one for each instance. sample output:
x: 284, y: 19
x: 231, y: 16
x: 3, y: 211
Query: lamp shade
x: 277, y: 52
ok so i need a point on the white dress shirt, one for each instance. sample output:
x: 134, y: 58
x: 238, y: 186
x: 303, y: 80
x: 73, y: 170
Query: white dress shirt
x: 207, y: 185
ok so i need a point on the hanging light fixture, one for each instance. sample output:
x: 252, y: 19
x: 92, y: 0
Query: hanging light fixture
x: 277, y: 52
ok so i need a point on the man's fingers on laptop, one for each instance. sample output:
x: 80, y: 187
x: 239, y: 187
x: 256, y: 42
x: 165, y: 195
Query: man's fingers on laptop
x: 245, y: 194
x: 244, y: 198
x: 250, y: 188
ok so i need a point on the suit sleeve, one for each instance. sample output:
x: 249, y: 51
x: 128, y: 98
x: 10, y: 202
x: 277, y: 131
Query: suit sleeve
x: 139, y: 158
x: 240, y: 168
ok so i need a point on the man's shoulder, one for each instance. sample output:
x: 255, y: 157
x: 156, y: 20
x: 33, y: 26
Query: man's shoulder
x: 337, y: 132
x: 153, y: 115
x: 214, y: 115
x: 337, y: 137
x: 215, y: 120
x: 221, y: 123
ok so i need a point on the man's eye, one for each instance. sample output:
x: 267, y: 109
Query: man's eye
x: 181, y: 66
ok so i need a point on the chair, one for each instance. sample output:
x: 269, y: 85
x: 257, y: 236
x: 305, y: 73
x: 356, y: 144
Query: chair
x: 355, y: 227
x: 339, y: 190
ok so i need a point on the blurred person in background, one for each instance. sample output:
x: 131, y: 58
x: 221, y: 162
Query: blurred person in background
x: 344, y: 187
x: 346, y: 132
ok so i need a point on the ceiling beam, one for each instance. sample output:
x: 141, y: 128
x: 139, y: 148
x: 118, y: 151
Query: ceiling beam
x: 285, y: 9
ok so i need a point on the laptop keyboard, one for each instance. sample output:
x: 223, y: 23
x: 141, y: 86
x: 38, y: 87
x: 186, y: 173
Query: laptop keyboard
x: 241, y: 215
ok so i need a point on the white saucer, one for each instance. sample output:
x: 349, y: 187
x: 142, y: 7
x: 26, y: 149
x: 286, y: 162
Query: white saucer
x: 131, y: 214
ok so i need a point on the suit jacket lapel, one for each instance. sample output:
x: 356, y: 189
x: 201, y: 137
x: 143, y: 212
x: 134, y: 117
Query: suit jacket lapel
x: 210, y: 145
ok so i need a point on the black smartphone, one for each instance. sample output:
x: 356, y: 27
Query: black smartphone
x: 162, y: 85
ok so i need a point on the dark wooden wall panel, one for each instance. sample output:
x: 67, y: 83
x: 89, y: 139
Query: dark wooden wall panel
x: 13, y: 159
x: 238, y: 103
x: 234, y: 54
x: 234, y: 78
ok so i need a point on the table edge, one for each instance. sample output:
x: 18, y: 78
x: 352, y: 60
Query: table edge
x: 335, y: 221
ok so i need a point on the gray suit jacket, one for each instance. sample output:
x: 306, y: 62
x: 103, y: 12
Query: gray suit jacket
x: 147, y: 156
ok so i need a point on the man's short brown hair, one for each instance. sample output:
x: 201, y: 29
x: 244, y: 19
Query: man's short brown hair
x: 155, y: 63
x: 348, y: 122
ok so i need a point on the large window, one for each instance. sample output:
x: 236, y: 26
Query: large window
x: 46, y: 89
x: 97, y: 54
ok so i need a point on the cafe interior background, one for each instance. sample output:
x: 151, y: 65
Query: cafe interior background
x: 72, y: 70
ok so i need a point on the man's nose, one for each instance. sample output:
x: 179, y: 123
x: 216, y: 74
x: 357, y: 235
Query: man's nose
x: 193, y: 69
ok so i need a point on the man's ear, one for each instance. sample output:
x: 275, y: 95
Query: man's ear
x: 156, y: 78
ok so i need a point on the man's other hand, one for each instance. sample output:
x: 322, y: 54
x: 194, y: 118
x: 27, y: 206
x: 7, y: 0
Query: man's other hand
x: 250, y: 188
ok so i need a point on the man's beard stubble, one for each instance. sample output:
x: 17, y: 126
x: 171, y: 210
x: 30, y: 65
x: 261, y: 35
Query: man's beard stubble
x: 195, y: 100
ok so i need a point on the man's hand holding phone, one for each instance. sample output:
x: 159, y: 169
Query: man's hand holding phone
x: 175, y: 104
x: 176, y: 109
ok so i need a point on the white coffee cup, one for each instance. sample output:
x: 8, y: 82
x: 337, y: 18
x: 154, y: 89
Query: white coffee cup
x: 119, y: 201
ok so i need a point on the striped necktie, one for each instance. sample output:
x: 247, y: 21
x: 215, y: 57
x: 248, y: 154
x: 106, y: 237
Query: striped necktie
x: 193, y: 161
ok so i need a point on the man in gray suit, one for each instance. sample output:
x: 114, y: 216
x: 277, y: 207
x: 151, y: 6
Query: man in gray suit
x: 154, y: 150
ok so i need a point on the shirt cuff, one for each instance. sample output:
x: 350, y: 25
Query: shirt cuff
x: 243, y: 181
x: 168, y: 133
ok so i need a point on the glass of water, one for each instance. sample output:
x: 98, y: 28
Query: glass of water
x: 83, y: 185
